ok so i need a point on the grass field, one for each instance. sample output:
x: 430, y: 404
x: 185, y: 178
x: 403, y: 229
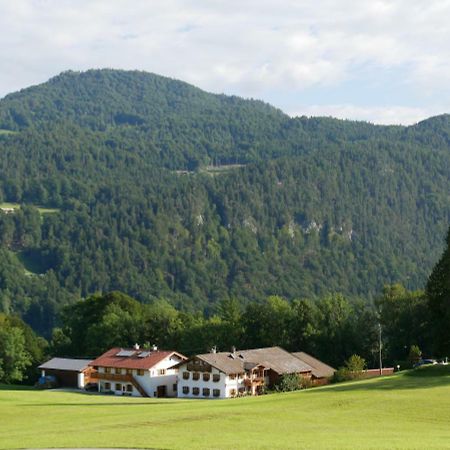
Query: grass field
x: 408, y: 410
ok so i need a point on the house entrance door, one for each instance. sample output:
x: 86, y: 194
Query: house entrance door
x: 161, y: 391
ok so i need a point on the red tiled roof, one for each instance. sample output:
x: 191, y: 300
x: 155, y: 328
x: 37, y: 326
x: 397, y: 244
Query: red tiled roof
x: 110, y: 358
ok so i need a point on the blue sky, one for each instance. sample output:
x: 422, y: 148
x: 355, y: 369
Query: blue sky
x: 381, y: 61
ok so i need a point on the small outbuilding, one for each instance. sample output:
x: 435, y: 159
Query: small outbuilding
x: 68, y: 372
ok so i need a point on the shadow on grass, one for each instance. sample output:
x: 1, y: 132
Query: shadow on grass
x: 56, y: 404
x: 16, y: 387
x: 422, y: 378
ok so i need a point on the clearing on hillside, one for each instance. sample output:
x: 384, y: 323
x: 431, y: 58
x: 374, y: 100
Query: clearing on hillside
x: 11, y: 207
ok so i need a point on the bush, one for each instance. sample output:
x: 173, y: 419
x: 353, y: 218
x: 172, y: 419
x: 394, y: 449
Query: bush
x: 414, y: 354
x: 292, y: 382
x: 355, y: 364
x: 353, y: 369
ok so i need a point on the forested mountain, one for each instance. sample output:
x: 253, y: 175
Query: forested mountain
x: 134, y: 182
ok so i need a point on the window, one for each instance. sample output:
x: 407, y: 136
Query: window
x: 107, y: 386
x: 233, y: 392
x: 205, y: 392
x: 129, y: 388
x: 162, y: 371
x: 195, y: 376
x: 216, y: 377
x: 206, y: 376
x: 118, y: 371
x: 216, y: 392
x: 107, y: 369
x: 232, y: 376
x: 118, y: 387
x: 185, y: 375
x: 140, y: 372
x: 129, y: 372
x: 196, y: 391
x: 185, y: 389
x: 174, y: 387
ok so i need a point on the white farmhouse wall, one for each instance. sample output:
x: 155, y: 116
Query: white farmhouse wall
x: 80, y: 380
x: 225, y: 384
x: 149, y: 381
x: 153, y: 378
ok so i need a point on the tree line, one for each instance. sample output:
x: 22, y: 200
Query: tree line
x: 332, y: 328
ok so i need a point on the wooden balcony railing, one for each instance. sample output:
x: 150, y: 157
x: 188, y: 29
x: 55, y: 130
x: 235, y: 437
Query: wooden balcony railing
x: 253, y: 381
x: 113, y: 376
x: 127, y: 378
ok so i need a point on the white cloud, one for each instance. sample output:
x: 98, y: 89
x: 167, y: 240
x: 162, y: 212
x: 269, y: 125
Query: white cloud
x: 382, y: 115
x: 249, y: 48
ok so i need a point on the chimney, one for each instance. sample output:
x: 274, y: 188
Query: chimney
x: 136, y: 346
x: 214, y: 349
x: 233, y: 349
x: 154, y: 348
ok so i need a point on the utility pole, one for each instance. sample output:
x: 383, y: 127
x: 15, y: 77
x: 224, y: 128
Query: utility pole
x: 380, y: 345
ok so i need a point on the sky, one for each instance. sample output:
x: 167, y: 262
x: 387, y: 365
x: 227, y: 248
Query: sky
x: 381, y: 61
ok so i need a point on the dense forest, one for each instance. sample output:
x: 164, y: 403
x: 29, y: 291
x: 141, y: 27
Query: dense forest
x: 134, y: 182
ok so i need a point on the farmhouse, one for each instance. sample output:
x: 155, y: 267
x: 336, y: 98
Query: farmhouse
x: 136, y: 372
x: 68, y: 372
x: 235, y: 373
x: 321, y: 372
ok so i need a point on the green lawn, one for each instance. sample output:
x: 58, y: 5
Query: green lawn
x: 408, y: 410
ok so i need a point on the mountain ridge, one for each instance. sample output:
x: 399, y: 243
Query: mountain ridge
x: 308, y: 205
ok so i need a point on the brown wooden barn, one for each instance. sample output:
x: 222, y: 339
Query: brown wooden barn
x: 68, y: 372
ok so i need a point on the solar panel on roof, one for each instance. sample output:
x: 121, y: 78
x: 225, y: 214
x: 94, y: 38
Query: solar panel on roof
x: 126, y: 353
x: 144, y: 354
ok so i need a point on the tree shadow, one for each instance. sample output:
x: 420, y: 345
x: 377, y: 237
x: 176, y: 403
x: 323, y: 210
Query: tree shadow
x: 16, y: 387
x: 39, y: 405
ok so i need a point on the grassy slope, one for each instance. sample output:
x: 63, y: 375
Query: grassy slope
x: 404, y: 411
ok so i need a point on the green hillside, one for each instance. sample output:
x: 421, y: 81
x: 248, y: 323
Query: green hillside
x: 166, y: 191
x: 408, y: 410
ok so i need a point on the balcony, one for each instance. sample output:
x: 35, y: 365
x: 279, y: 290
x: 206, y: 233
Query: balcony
x: 255, y: 381
x: 126, y: 378
x: 112, y: 377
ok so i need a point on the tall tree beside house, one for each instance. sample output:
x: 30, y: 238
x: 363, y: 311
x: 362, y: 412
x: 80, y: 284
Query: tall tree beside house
x: 93, y: 325
x: 20, y: 350
x: 438, y: 294
x: 304, y: 327
x: 405, y: 320
x: 14, y: 359
x: 267, y: 323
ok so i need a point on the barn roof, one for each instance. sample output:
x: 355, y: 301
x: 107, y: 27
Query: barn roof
x: 75, y: 365
x: 132, y: 358
x: 320, y: 369
x: 275, y: 358
x: 224, y: 361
